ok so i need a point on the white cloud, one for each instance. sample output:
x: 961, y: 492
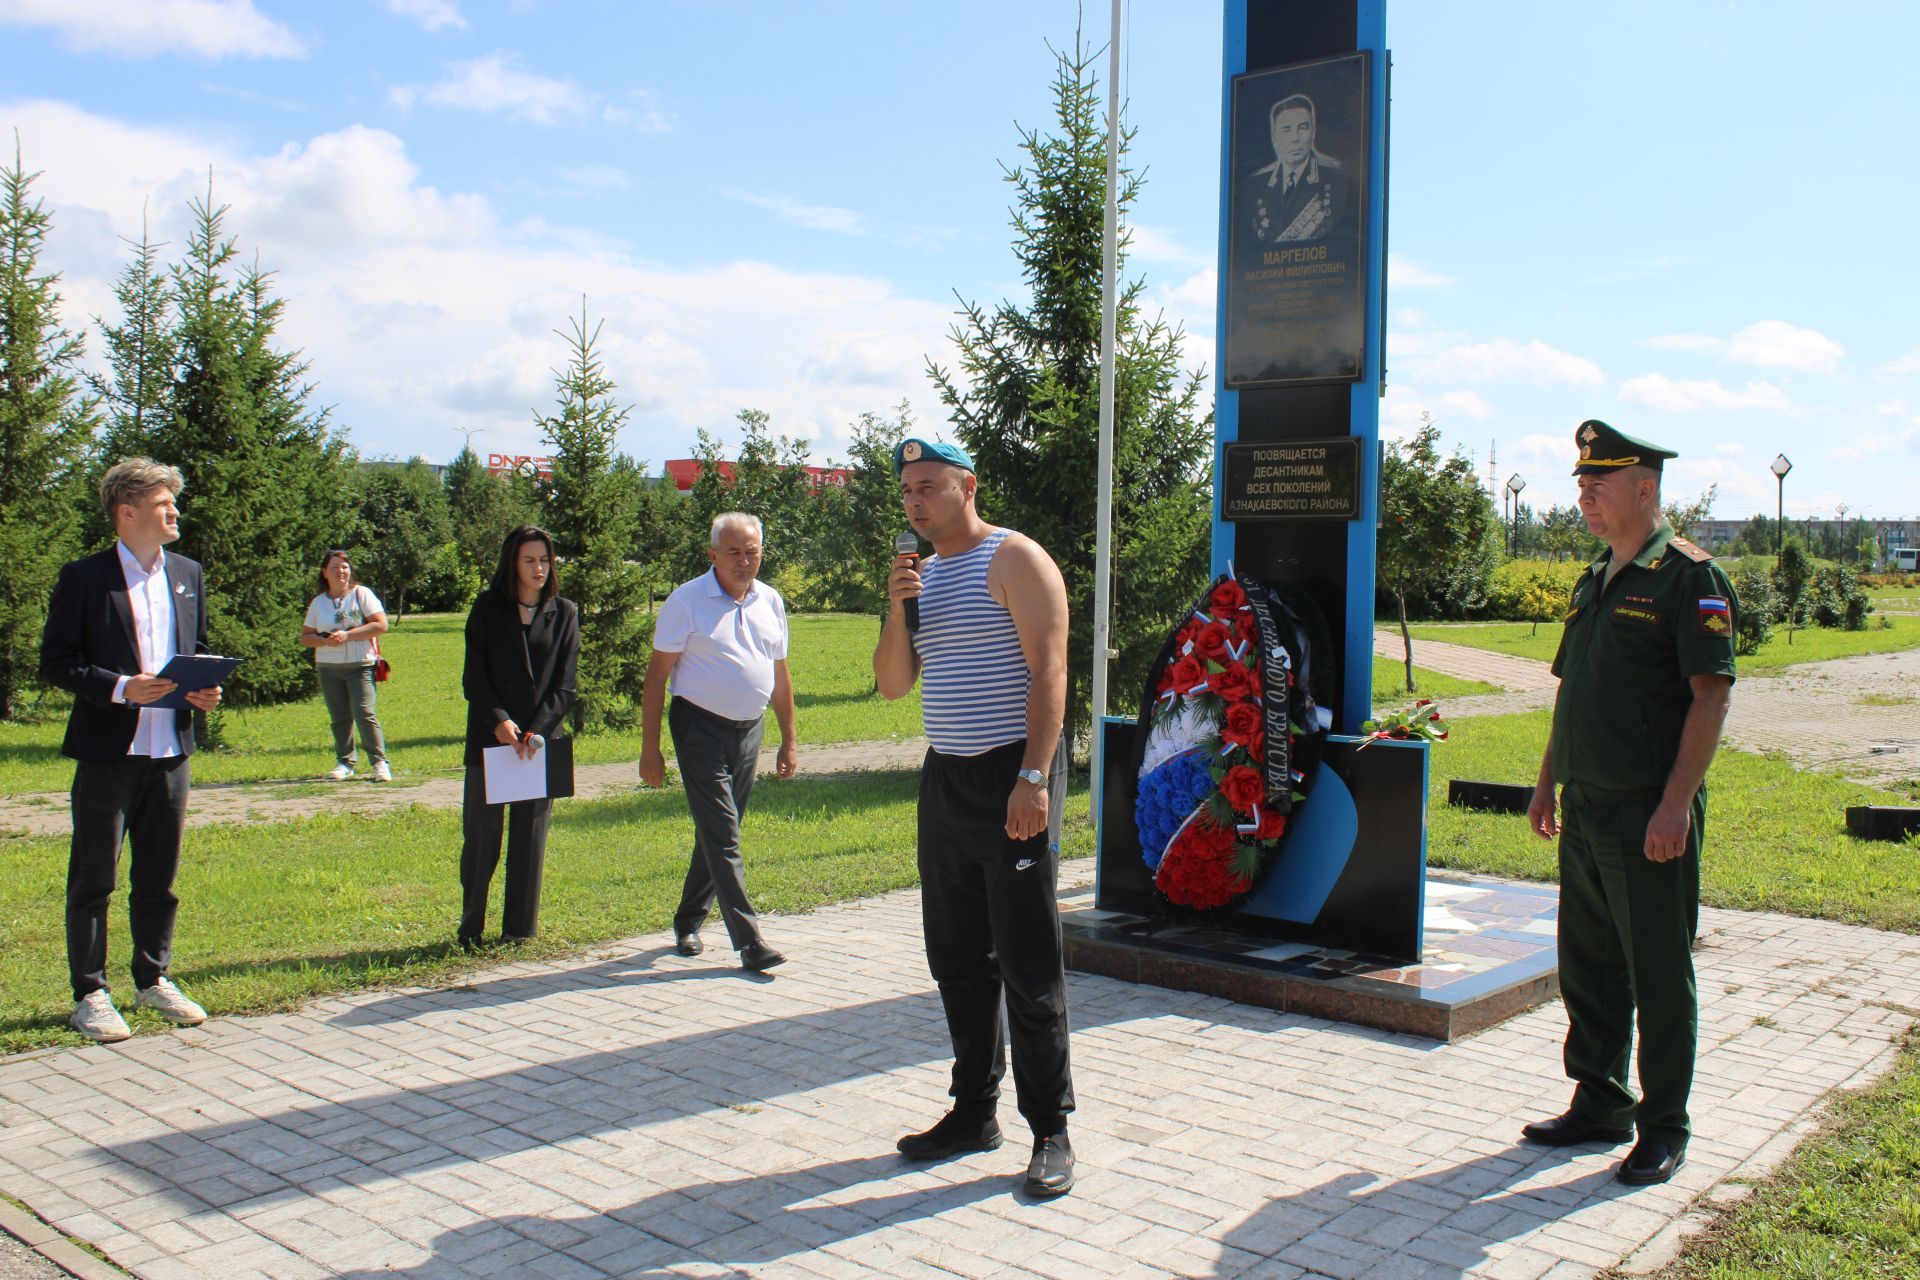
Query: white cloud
x: 641, y: 112
x: 144, y: 28
x: 1405, y: 274
x: 423, y: 313
x: 815, y: 217
x: 1908, y: 363
x: 1409, y: 318
x: 1193, y: 301
x: 432, y: 15
x: 1682, y: 395
x: 1775, y: 344
x: 496, y: 83
x: 1150, y: 244
x: 1464, y: 404
x: 594, y: 178
x: 1497, y: 360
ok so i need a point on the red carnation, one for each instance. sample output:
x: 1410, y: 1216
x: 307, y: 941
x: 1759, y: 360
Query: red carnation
x: 1233, y: 684
x: 1243, y: 724
x: 1186, y: 673
x: 1210, y: 642
x: 1227, y: 597
x: 1243, y: 787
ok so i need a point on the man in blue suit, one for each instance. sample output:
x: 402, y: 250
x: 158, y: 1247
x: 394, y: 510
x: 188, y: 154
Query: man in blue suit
x: 115, y: 620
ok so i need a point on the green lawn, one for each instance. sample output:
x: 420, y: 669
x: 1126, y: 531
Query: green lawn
x: 273, y: 913
x: 425, y: 716
x: 1776, y: 835
x: 1390, y: 684
x: 1810, y: 644
x: 1845, y: 1207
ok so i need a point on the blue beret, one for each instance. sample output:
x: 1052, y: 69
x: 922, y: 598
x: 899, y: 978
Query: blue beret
x: 914, y: 449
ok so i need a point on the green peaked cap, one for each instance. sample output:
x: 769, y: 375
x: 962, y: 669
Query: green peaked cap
x: 1603, y: 449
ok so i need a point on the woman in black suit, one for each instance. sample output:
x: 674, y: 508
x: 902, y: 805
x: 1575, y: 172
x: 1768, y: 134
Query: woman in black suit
x: 523, y: 647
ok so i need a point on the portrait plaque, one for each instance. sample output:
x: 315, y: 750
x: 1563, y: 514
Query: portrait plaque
x: 1296, y: 227
x: 1292, y: 480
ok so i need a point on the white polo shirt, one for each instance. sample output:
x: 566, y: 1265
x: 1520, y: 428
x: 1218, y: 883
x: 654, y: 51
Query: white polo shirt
x: 727, y: 647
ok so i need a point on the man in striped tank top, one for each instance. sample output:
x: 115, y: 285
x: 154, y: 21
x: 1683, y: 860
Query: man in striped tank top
x: 989, y: 646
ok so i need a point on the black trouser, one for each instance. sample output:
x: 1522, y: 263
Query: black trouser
x: 987, y: 906
x: 144, y: 800
x: 718, y: 759
x: 480, y: 826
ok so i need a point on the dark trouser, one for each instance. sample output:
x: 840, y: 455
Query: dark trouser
x: 1626, y: 943
x: 145, y: 800
x: 526, y: 830
x: 993, y: 927
x: 718, y: 759
x: 348, y: 693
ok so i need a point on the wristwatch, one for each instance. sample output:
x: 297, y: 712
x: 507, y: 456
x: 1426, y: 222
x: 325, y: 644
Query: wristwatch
x: 1034, y: 776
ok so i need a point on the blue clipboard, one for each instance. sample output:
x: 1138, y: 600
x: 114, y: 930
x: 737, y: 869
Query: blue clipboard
x: 191, y: 672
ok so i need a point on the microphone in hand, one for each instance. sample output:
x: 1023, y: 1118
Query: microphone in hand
x: 908, y: 544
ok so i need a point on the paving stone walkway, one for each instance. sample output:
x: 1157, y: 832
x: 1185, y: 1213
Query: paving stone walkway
x: 633, y: 1113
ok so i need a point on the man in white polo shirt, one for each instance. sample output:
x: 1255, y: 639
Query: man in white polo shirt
x: 722, y: 641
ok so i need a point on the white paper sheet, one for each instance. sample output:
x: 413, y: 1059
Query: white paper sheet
x: 510, y: 778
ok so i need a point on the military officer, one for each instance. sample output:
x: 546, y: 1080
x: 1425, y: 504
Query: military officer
x: 1646, y: 671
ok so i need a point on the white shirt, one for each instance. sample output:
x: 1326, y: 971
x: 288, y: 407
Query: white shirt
x: 327, y: 615
x: 727, y: 647
x: 149, y: 599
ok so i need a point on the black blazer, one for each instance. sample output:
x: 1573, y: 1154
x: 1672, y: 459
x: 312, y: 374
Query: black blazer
x: 526, y: 677
x: 89, y: 644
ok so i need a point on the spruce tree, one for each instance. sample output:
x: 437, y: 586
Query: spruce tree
x: 1026, y: 402
x: 266, y: 480
x: 591, y: 514
x: 403, y: 528
x: 46, y: 429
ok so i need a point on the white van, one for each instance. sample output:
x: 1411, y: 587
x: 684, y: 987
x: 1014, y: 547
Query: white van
x: 1904, y: 559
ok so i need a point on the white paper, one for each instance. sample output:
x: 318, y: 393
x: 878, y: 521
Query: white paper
x: 510, y: 778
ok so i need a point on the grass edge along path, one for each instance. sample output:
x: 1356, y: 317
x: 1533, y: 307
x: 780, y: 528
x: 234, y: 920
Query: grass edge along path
x: 273, y: 914
x: 1810, y: 644
x: 1844, y: 1206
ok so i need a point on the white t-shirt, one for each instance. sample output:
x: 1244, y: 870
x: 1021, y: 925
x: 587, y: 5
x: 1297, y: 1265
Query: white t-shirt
x: 727, y: 647
x: 326, y: 615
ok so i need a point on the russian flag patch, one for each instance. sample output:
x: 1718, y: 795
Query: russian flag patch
x: 1716, y: 616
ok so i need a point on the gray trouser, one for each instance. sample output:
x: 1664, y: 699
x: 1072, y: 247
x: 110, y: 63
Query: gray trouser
x: 348, y: 691
x: 717, y: 759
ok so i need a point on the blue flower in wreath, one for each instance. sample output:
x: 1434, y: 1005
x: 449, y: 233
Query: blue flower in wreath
x: 1169, y: 792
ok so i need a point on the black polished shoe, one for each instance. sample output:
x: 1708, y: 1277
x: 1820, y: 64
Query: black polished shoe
x: 758, y: 957
x: 1571, y: 1129
x: 1050, y: 1172
x: 688, y: 944
x: 955, y: 1135
x: 1650, y: 1162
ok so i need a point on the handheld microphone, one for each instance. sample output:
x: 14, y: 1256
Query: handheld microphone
x: 908, y: 544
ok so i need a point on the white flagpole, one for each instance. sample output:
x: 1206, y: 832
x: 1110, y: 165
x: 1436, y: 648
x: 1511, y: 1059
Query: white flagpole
x: 1103, y: 538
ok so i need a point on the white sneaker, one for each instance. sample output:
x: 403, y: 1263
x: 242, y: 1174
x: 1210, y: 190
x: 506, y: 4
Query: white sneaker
x: 96, y: 1019
x: 170, y: 1003
x: 383, y: 772
x: 340, y: 772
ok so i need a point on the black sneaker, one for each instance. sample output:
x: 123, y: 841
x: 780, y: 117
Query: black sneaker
x: 956, y: 1134
x: 1050, y: 1172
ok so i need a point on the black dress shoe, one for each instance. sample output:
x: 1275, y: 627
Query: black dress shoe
x: 1650, y: 1162
x: 688, y: 944
x: 758, y: 957
x: 956, y: 1134
x: 1050, y: 1172
x: 1571, y: 1129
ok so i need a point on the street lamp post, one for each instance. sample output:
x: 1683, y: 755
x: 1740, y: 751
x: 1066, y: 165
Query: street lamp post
x: 1514, y: 485
x: 1842, y: 511
x: 1780, y: 466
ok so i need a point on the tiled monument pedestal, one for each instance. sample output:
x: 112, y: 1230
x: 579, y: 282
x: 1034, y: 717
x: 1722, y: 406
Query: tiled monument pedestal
x: 1488, y: 954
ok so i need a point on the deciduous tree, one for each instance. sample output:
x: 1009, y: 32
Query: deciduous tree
x: 1435, y: 520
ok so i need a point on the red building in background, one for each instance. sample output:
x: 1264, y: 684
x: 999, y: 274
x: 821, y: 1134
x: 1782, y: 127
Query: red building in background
x: 684, y: 471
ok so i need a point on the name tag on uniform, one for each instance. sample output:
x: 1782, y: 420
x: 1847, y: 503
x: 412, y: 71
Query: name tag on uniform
x: 1637, y: 613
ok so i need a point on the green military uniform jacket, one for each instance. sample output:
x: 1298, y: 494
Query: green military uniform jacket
x: 1626, y: 654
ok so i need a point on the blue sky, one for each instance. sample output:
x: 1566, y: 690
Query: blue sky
x: 1693, y: 220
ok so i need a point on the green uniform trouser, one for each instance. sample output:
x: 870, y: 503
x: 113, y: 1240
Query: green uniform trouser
x: 1626, y: 943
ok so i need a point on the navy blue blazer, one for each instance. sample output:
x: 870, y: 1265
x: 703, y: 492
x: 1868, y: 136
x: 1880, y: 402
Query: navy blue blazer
x: 89, y: 644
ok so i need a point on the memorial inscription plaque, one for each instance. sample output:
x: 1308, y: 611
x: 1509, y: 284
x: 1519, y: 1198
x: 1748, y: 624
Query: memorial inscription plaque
x: 1292, y: 480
